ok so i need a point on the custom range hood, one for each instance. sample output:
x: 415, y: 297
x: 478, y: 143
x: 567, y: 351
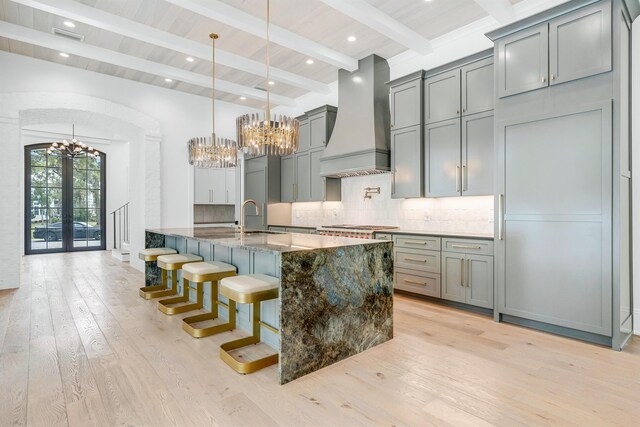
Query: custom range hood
x: 359, y: 143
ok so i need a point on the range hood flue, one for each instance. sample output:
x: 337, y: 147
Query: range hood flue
x: 359, y: 144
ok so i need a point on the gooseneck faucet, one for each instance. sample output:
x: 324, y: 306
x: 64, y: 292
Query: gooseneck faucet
x: 245, y: 203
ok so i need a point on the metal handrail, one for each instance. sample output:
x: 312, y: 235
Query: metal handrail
x: 120, y: 225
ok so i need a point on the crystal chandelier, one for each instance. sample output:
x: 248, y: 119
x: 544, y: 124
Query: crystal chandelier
x: 266, y: 135
x: 209, y: 151
x: 72, y: 148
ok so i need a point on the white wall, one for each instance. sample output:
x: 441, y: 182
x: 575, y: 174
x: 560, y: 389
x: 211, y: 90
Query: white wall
x: 635, y: 120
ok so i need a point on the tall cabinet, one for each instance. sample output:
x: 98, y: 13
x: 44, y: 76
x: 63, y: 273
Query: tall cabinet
x: 562, y: 257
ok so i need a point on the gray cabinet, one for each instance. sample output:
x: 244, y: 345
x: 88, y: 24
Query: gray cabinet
x: 442, y: 96
x: 405, y: 103
x: 468, y: 279
x: 262, y: 184
x: 442, y: 158
x: 563, y: 49
x: 477, y: 154
x: 287, y: 180
x: 580, y: 44
x: 477, y: 87
x: 301, y: 180
x: 406, y: 162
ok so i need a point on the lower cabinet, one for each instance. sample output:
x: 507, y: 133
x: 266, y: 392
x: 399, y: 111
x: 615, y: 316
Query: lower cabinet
x: 467, y: 278
x: 419, y: 283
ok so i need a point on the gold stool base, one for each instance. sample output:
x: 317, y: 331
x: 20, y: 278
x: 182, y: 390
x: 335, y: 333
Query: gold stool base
x: 163, y: 305
x: 162, y: 290
x: 245, y: 367
x: 149, y: 292
x: 187, y: 323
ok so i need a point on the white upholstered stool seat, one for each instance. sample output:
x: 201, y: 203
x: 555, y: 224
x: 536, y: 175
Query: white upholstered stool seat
x: 249, y: 288
x: 176, y: 261
x: 151, y: 254
x: 207, y: 267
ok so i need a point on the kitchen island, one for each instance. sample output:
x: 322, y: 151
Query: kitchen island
x: 335, y: 297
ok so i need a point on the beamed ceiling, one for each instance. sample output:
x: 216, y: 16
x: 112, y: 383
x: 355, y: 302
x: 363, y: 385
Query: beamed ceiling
x: 149, y: 40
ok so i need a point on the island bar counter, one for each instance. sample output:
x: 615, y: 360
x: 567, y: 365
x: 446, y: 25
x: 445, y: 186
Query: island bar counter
x: 335, y: 296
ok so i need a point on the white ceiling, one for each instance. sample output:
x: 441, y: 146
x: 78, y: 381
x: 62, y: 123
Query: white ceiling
x: 148, y: 40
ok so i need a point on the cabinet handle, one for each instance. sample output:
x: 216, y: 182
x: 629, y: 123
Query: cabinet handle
x: 293, y: 191
x: 415, y: 260
x: 458, y: 111
x: 463, y: 110
x: 462, y: 272
x: 414, y: 282
x: 468, y: 273
x: 544, y: 79
x: 464, y: 177
x: 413, y: 242
x: 466, y: 246
x: 457, y: 179
x: 553, y: 77
x: 500, y: 216
x: 226, y: 197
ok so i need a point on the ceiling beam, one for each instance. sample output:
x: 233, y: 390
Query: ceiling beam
x: 374, y: 18
x: 116, y: 24
x: 248, y: 23
x: 501, y: 10
x: 39, y: 38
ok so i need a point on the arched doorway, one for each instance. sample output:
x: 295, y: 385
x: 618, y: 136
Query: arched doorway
x: 65, y: 201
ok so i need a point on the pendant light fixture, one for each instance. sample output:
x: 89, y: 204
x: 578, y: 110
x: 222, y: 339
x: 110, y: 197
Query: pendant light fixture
x: 266, y: 135
x: 72, y: 148
x: 212, y: 152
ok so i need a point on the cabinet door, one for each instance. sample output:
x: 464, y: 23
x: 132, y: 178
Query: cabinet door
x: 523, y: 60
x: 304, y: 136
x: 406, y: 163
x: 405, y: 103
x: 256, y: 189
x: 580, y: 43
x: 477, y: 155
x: 479, y: 280
x: 202, y: 187
x: 287, y: 179
x: 477, y: 87
x: 442, y: 158
x: 453, y: 275
x: 317, y: 181
x: 230, y: 180
x: 442, y: 97
x: 303, y: 177
x: 318, y: 130
x: 218, y: 186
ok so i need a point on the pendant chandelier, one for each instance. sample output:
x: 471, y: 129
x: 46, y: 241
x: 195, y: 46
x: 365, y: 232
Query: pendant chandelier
x: 267, y: 135
x: 72, y: 148
x: 209, y: 151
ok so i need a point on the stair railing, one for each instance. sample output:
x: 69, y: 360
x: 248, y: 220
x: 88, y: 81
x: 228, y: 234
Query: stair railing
x: 120, y: 226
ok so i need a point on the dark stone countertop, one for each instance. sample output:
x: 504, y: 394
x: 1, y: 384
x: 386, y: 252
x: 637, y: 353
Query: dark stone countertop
x: 265, y: 241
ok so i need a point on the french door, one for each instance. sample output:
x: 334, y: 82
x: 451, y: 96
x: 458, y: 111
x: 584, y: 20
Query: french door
x: 64, y: 202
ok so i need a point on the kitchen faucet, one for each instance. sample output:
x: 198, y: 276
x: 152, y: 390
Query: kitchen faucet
x: 245, y: 203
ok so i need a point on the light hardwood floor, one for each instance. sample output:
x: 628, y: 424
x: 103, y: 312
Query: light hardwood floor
x: 79, y: 347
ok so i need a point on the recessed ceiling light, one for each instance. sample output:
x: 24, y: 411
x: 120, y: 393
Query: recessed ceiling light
x: 69, y: 24
x: 168, y: 80
x: 242, y: 98
x: 351, y: 38
x: 309, y: 61
x: 64, y: 55
x: 271, y: 82
x: 190, y: 59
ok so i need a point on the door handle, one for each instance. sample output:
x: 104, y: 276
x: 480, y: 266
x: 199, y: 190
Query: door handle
x: 462, y: 272
x: 464, y: 177
x: 457, y: 179
x: 468, y: 273
x: 500, y: 216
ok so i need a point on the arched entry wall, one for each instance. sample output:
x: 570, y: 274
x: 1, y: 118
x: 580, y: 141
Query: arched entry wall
x: 18, y: 110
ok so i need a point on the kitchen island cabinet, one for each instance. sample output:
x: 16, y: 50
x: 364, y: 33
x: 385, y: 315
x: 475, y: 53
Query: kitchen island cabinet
x: 335, y: 297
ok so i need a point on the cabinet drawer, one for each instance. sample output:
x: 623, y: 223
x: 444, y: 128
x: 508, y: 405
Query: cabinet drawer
x: 417, y: 242
x: 384, y: 236
x: 468, y: 246
x: 424, y: 284
x: 417, y: 260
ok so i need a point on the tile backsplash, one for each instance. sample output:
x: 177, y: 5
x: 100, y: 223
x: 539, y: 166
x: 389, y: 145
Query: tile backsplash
x: 462, y: 214
x: 205, y: 214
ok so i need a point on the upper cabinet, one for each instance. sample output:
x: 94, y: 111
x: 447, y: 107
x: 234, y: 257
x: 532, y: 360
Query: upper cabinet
x: 459, y: 92
x: 214, y: 186
x: 561, y: 50
x: 405, y: 102
x: 300, y: 172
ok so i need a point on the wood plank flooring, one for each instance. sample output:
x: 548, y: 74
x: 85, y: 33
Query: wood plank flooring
x: 79, y: 347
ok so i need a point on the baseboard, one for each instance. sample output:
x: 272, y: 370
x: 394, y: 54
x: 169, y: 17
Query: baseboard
x: 120, y: 255
x: 636, y: 321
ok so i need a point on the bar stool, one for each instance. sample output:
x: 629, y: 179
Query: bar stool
x: 194, y: 272
x: 208, y: 271
x: 151, y: 255
x: 173, y: 263
x: 249, y: 289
